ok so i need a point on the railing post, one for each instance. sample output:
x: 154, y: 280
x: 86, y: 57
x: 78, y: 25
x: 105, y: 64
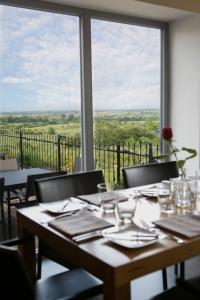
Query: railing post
x: 21, y: 149
x: 59, y: 153
x: 118, y: 164
x: 151, y: 158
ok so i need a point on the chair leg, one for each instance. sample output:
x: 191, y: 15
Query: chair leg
x: 182, y: 270
x: 3, y: 221
x: 39, y: 265
x: 164, y: 277
x: 176, y: 269
x: 9, y: 215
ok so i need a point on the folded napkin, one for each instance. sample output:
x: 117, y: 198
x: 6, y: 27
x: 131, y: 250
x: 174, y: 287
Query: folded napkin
x: 67, y: 205
x: 96, y: 199
x: 80, y: 223
x: 153, y: 192
x: 186, y: 225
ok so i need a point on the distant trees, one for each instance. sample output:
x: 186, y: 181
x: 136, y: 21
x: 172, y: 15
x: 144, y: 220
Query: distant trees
x: 110, y: 127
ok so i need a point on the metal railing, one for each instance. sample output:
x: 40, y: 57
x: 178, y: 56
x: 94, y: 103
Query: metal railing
x: 60, y: 152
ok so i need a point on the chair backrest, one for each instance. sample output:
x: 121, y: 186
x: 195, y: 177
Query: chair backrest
x: 62, y: 187
x: 1, y: 189
x: 149, y: 174
x: 8, y: 164
x: 15, y: 281
x: 30, y: 186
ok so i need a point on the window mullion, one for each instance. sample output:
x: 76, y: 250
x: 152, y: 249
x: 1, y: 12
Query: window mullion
x: 86, y: 94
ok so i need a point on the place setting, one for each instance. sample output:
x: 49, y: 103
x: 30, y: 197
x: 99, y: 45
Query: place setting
x: 126, y: 233
x: 68, y: 205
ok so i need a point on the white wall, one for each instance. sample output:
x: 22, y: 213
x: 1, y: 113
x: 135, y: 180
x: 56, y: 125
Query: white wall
x: 185, y: 84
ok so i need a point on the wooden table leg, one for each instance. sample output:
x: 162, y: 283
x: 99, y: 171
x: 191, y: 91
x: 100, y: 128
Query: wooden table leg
x: 113, y: 292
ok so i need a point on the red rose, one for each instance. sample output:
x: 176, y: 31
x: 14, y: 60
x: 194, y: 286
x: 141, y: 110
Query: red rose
x: 167, y: 133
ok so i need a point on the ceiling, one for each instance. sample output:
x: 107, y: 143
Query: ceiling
x: 189, y: 5
x: 128, y: 7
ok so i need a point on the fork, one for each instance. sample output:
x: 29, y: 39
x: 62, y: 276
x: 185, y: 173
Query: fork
x: 150, y: 226
x: 177, y: 239
x: 65, y: 203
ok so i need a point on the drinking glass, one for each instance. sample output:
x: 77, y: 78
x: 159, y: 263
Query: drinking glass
x: 195, y: 189
x: 166, y: 199
x: 107, y: 197
x: 183, y: 193
x: 126, y: 210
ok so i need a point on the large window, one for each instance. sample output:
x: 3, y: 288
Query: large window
x: 126, y: 90
x: 56, y: 68
x: 40, y: 75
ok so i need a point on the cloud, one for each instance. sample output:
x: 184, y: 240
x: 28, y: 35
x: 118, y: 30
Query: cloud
x: 15, y: 80
x: 40, y: 55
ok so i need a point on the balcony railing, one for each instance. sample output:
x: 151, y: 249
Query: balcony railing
x: 56, y: 152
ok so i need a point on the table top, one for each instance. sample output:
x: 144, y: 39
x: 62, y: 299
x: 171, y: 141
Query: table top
x: 17, y: 178
x: 132, y: 263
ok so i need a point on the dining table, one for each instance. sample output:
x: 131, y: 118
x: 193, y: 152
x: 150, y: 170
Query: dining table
x: 14, y: 180
x: 114, y: 264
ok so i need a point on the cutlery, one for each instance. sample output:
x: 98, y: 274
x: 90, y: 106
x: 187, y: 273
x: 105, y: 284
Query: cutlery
x: 150, y: 226
x: 67, y: 214
x: 133, y: 237
x: 65, y: 203
x: 87, y: 236
x: 177, y: 239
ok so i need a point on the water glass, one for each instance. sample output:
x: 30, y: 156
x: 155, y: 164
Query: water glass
x: 195, y: 188
x: 183, y: 193
x: 107, y: 198
x: 166, y: 200
x: 126, y: 210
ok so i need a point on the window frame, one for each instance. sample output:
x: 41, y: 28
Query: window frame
x: 85, y: 16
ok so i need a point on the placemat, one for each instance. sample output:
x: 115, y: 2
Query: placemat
x: 96, y: 200
x: 80, y: 223
x: 186, y: 225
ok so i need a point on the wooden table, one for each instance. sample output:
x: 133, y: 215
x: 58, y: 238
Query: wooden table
x: 114, y: 265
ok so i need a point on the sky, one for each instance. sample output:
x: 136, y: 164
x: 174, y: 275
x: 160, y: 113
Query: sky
x: 40, y: 63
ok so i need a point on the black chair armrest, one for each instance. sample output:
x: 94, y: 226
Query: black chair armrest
x: 14, y: 242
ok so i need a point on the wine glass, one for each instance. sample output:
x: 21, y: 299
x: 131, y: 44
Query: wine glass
x: 126, y: 210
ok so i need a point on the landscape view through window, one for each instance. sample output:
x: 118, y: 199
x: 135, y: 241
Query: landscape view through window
x: 40, y: 91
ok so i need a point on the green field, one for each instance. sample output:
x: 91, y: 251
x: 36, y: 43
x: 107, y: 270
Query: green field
x: 113, y: 125
x: 121, y: 138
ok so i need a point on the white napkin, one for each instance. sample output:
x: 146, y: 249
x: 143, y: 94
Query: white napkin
x: 57, y: 206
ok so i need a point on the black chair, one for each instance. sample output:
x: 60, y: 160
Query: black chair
x: 192, y: 284
x: 59, y: 188
x: 149, y: 174
x: 2, y: 207
x: 62, y: 187
x: 30, y: 185
x: 176, y: 293
x: 74, y: 284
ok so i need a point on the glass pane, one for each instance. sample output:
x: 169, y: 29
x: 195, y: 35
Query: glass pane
x: 126, y: 94
x: 40, y: 87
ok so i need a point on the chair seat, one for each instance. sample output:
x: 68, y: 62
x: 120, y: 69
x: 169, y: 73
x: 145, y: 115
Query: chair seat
x: 74, y: 284
x: 176, y: 293
x: 192, y: 284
